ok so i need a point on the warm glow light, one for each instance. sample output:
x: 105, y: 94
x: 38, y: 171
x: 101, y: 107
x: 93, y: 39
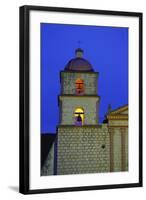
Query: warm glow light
x: 81, y: 112
x: 79, y: 86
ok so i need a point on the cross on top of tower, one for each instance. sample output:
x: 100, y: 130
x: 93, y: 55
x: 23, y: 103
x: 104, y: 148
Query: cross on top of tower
x: 79, y: 51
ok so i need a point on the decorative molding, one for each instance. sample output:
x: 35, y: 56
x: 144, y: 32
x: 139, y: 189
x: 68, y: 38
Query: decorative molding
x: 79, y: 72
x: 115, y: 117
x: 117, y: 126
x: 83, y: 96
x: 119, y: 110
x: 84, y: 126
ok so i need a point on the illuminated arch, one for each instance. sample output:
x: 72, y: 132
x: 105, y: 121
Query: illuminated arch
x: 79, y: 86
x: 79, y: 112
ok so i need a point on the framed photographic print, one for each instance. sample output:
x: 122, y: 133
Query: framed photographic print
x: 80, y: 99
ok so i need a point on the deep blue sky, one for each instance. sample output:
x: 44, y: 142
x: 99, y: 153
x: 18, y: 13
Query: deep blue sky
x: 106, y: 48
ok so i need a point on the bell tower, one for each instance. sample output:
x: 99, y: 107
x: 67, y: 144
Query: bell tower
x: 79, y: 100
x: 79, y: 137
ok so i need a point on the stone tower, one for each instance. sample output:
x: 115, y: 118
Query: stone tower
x: 78, y: 101
x: 81, y: 141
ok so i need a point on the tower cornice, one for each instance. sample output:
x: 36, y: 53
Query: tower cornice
x: 80, y: 72
x: 79, y: 97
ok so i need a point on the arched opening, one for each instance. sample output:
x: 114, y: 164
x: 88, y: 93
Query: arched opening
x: 79, y: 86
x: 79, y: 116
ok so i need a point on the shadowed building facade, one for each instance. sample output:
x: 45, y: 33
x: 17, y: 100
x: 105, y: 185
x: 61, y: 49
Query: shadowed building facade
x: 83, y: 145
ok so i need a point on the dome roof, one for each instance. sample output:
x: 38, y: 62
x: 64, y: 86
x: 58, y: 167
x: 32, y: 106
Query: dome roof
x: 78, y: 63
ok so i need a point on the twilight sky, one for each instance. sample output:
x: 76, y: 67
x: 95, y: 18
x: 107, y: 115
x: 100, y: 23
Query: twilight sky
x: 106, y: 48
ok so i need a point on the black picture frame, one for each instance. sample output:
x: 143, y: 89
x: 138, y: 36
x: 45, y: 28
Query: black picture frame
x: 25, y: 105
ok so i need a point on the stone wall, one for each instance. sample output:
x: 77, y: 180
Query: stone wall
x: 83, y: 150
x: 68, y: 80
x: 48, y: 167
x: 88, y: 149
